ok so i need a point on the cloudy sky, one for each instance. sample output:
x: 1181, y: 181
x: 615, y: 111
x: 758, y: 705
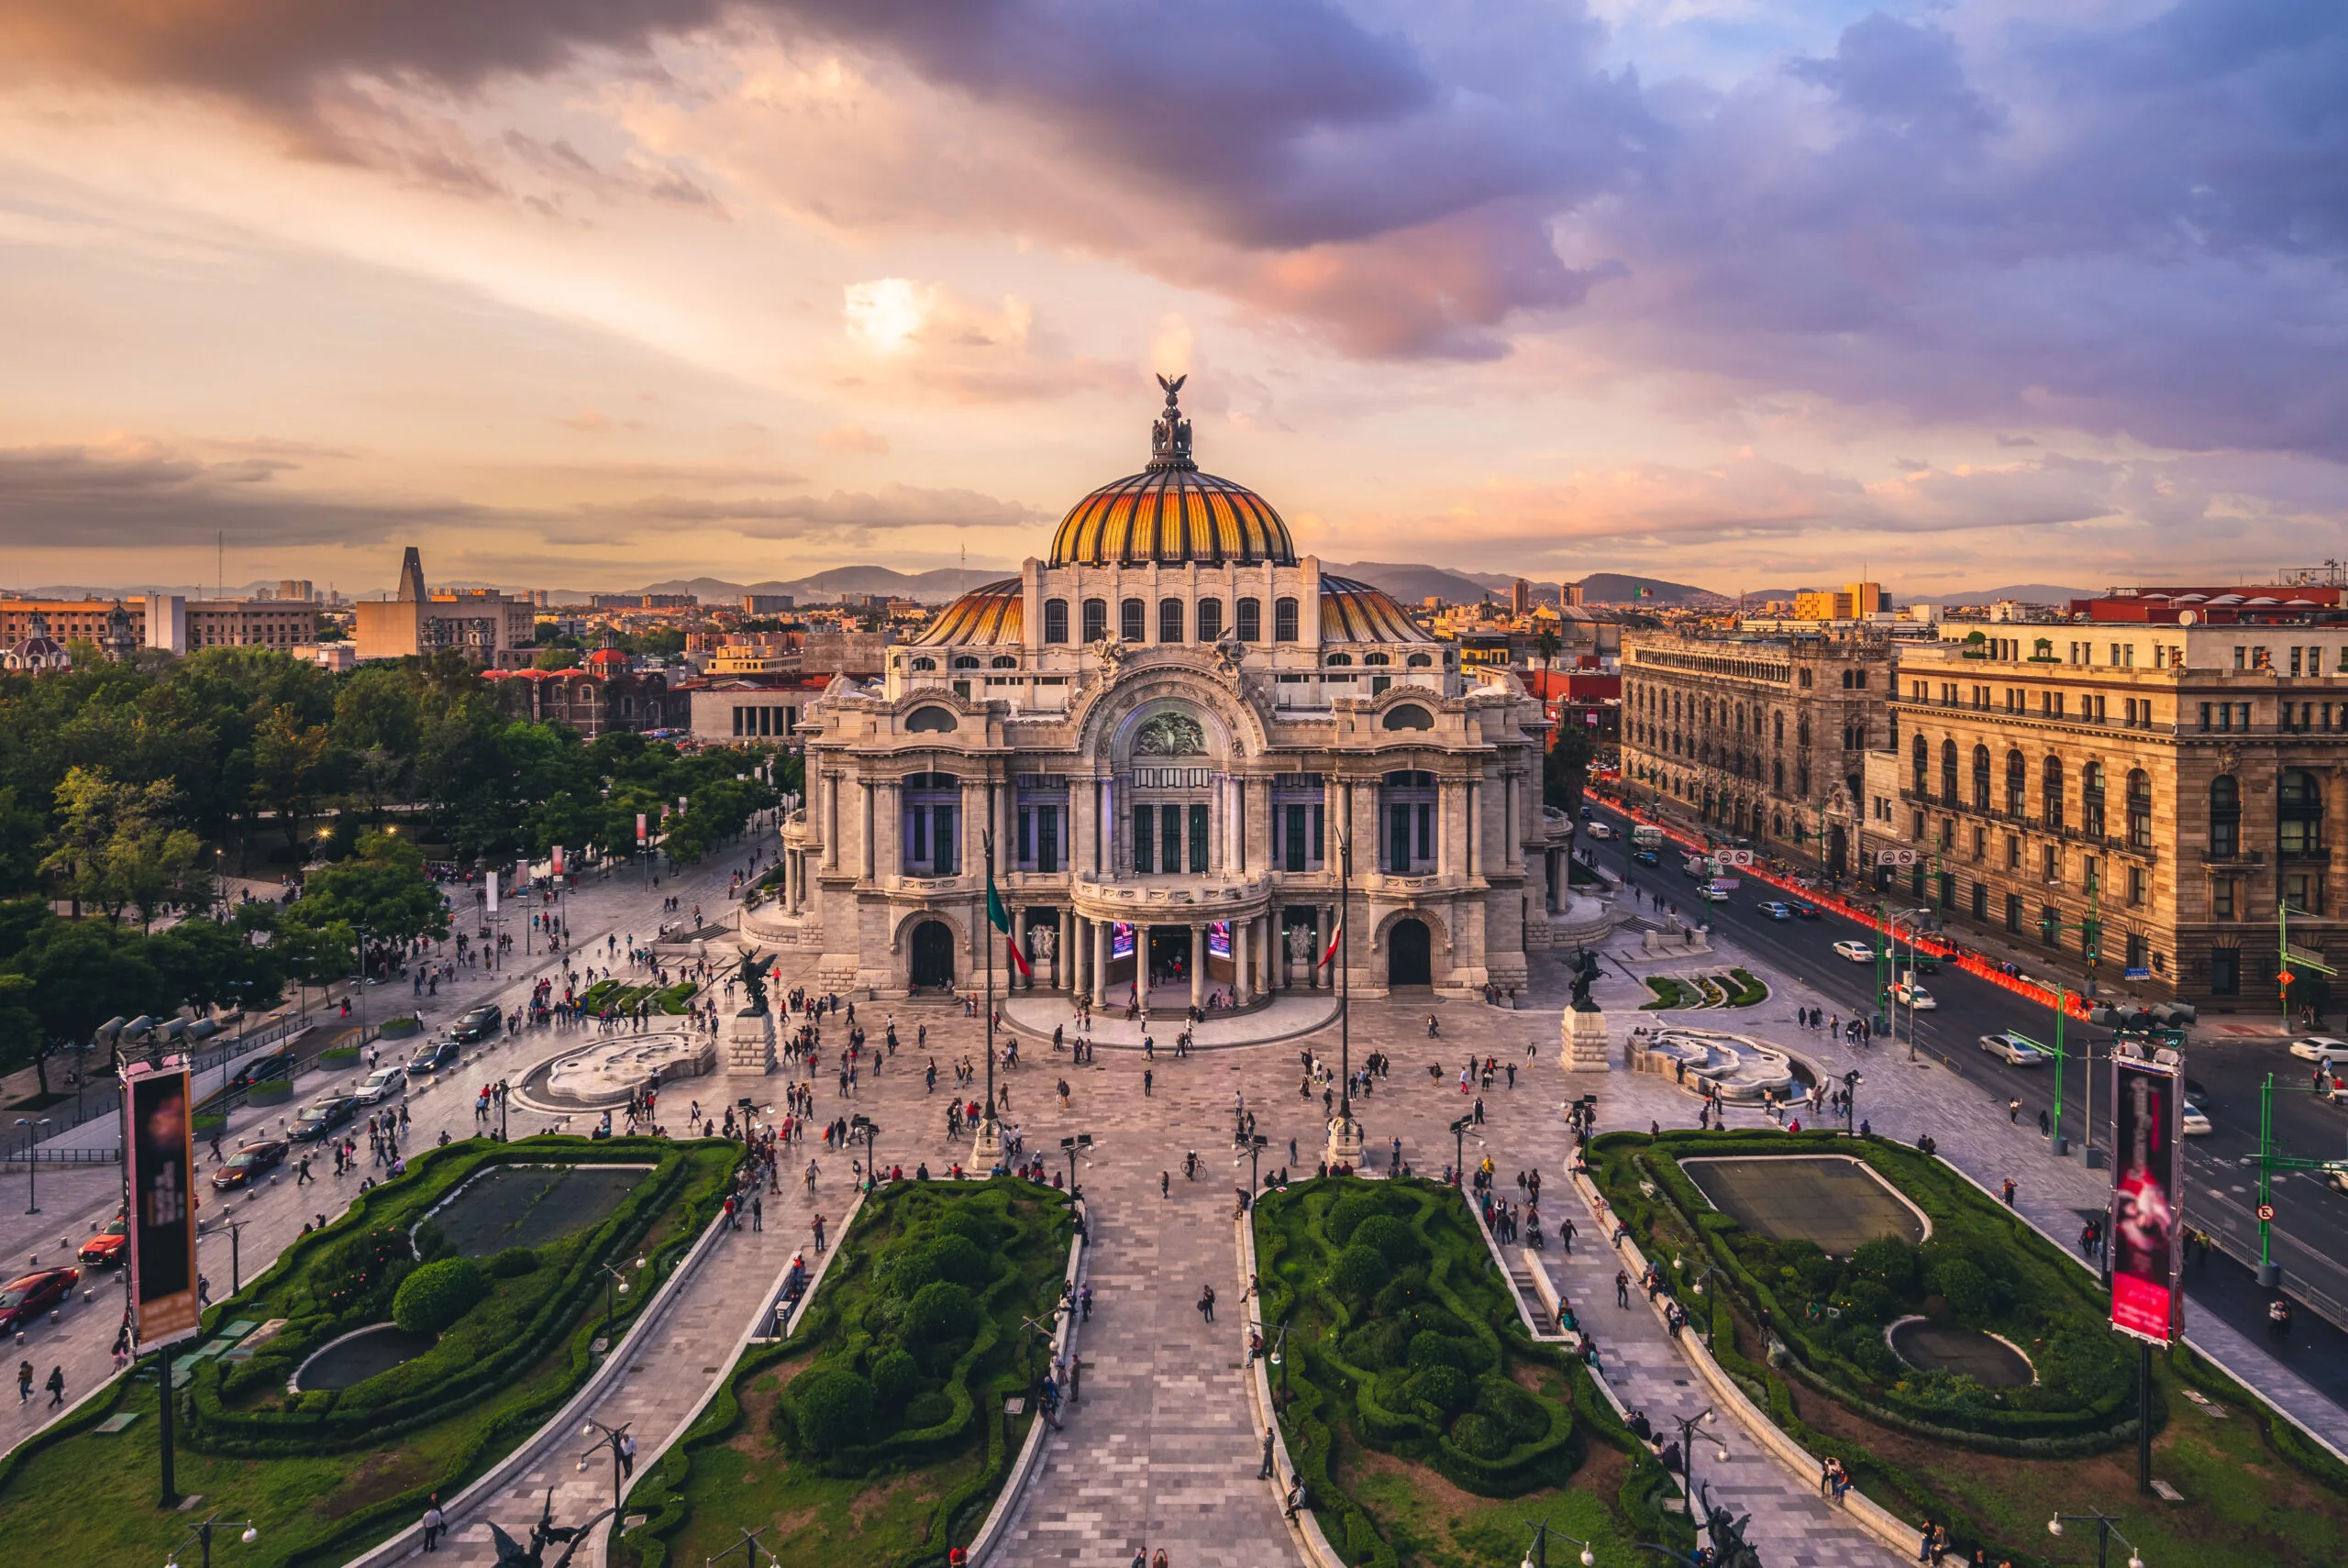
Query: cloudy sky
x: 590, y: 292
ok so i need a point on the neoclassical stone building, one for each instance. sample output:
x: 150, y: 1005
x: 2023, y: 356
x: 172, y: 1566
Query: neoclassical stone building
x: 1169, y: 726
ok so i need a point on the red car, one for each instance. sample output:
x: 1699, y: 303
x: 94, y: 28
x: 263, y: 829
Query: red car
x: 248, y: 1163
x: 22, y: 1301
x: 105, y: 1247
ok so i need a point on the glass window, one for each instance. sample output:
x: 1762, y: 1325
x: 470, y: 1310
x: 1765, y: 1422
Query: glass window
x: 1144, y: 820
x: 2051, y: 791
x: 2221, y: 898
x: 2091, y: 799
x: 2139, y: 808
x: 1096, y: 620
x: 1980, y: 778
x: 1169, y: 620
x: 1210, y: 619
x: 2225, y: 817
x: 1132, y: 620
x: 1055, y: 620
x: 1249, y: 622
x: 1284, y: 620
x: 1198, y: 838
x: 2225, y: 971
x: 2299, y: 810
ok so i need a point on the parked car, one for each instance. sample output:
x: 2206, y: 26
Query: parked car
x: 25, y: 1298
x: 1803, y: 912
x: 315, y: 1122
x: 249, y: 1163
x: 1777, y: 911
x: 481, y: 1023
x: 2194, y: 1121
x: 431, y: 1058
x: 381, y: 1085
x: 1912, y: 996
x: 2015, y: 1050
x: 1856, y: 952
x: 106, y: 1245
x: 2322, y: 1049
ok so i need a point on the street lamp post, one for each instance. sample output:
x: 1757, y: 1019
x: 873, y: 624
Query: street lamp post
x: 1688, y: 1425
x: 201, y: 1534
x: 1254, y: 1146
x: 236, y: 1228
x: 616, y: 1442
x: 2106, y: 1532
x: 1851, y: 1082
x: 32, y: 1166
x: 750, y: 1546
x: 1538, y: 1554
x: 864, y: 1127
x: 1275, y: 1355
x: 1696, y: 1287
x: 1459, y: 1151
x: 614, y: 1287
x: 1345, y: 1137
x: 1080, y: 1144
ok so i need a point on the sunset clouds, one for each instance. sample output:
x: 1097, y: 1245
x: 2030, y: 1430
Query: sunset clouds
x: 1694, y: 291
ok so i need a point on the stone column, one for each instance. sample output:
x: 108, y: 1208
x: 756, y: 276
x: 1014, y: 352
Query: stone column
x: 889, y: 824
x: 832, y: 821
x: 1242, y: 993
x: 1101, y: 963
x: 1198, y: 965
x: 1064, y: 955
x: 868, y: 864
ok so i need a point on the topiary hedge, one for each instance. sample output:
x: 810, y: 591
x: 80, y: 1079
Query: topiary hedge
x: 437, y: 1294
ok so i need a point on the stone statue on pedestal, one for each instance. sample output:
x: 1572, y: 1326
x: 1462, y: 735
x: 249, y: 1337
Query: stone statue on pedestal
x: 754, y: 982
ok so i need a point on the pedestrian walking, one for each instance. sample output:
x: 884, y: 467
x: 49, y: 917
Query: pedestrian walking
x: 2009, y: 1190
x: 758, y: 1213
x: 2014, y: 1110
x: 24, y: 1381
x: 56, y: 1385
x: 1206, y: 1303
x: 1266, y: 1472
x: 1166, y: 1183
x: 1622, y: 1288
x: 435, y: 1521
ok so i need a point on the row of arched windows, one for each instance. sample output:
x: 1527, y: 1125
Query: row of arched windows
x: 1177, y: 623
x: 2299, y: 798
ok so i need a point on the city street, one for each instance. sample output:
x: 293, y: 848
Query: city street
x: 2312, y: 1221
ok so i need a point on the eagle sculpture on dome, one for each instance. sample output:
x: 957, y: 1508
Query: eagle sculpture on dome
x: 1170, y: 438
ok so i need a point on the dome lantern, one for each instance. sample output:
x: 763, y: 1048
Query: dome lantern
x: 1171, y: 514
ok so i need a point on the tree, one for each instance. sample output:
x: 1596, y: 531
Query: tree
x: 555, y: 658
x: 82, y: 972
x: 151, y: 866
x: 381, y: 891
x: 115, y: 844
x: 291, y: 761
x: 1565, y: 766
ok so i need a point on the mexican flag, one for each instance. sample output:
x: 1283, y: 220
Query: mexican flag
x: 1336, y: 937
x: 999, y: 917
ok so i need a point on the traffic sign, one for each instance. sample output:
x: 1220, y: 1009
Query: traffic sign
x: 1726, y: 857
x: 2266, y: 1211
x: 1896, y: 857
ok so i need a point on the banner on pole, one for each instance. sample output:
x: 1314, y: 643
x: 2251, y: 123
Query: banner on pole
x: 495, y: 877
x: 158, y: 1121
x: 2147, y: 1235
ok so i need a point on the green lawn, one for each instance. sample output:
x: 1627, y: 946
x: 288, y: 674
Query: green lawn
x: 1669, y: 993
x: 1429, y: 1427
x: 1994, y: 1463
x: 875, y: 1436
x: 325, y: 1475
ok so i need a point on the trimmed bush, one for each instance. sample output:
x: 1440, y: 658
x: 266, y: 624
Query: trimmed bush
x: 896, y: 1377
x: 942, y: 1312
x: 438, y: 1293
x: 1394, y: 1239
x: 833, y: 1409
x: 514, y: 1262
x: 1359, y: 1270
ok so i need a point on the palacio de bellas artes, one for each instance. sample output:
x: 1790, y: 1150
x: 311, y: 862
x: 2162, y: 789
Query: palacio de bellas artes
x: 1174, y: 727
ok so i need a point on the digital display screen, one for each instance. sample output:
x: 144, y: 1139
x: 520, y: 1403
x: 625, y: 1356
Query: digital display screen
x: 2146, y: 1229
x: 1121, y: 940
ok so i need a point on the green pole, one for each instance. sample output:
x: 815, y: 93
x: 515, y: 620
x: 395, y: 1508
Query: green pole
x: 2266, y: 1169
x: 2055, y: 1129
x: 2283, y: 962
x: 1882, y: 974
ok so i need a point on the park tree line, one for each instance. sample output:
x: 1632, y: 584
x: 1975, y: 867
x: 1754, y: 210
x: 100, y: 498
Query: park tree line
x: 127, y: 790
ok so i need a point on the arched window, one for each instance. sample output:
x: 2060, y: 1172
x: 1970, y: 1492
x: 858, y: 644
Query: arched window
x: 1004, y: 661
x: 2050, y: 792
x: 2091, y: 799
x: 1169, y: 620
x: 1055, y: 620
x: 1133, y: 620
x: 1249, y: 621
x: 1376, y: 659
x: 966, y: 662
x: 1777, y: 782
x: 1420, y: 661
x: 1948, y: 775
x: 1337, y: 659
x: 1801, y: 729
x: 1921, y: 758
x: 924, y: 664
x: 1408, y: 716
x: 1777, y: 728
x: 2017, y: 785
x: 923, y: 720
x: 1096, y: 620
x: 1284, y: 619
x: 1980, y: 778
x: 2225, y: 817
x: 2300, y: 813
x: 1210, y: 619
x: 2139, y: 808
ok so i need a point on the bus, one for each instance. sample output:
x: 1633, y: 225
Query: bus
x: 1646, y: 835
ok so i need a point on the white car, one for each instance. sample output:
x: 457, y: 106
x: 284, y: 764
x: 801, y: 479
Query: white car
x: 1913, y: 996
x: 381, y: 1085
x: 2320, y: 1048
x: 2194, y: 1121
x: 1598, y: 830
x: 2015, y: 1050
x: 1856, y: 952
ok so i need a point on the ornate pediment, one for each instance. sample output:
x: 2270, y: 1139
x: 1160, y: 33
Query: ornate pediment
x: 1171, y: 734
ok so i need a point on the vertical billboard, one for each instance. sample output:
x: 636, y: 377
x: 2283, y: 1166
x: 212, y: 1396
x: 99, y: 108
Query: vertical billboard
x: 2146, y: 1228
x: 158, y: 1147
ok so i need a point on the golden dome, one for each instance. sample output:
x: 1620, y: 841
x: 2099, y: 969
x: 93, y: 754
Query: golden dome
x: 991, y: 613
x: 1355, y: 612
x: 1171, y: 513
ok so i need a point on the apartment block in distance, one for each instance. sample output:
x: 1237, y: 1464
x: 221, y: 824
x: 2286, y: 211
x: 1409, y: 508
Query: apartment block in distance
x: 1852, y: 601
x: 491, y: 628
x: 1759, y: 736
x: 2144, y: 787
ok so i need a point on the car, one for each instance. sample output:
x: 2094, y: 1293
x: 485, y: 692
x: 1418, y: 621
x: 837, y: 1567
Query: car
x: 1712, y: 895
x: 246, y: 1164
x: 2015, y: 1050
x: 105, y: 1246
x: 2320, y: 1048
x: 2194, y: 1121
x: 261, y: 1069
x: 313, y: 1121
x: 1803, y: 912
x: 26, y: 1297
x: 1777, y: 911
x: 1599, y: 830
x: 381, y: 1085
x: 1856, y: 952
x: 1913, y: 996
x: 431, y: 1058
x: 481, y: 1023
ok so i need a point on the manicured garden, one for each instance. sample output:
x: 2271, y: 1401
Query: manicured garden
x: 1427, y: 1424
x: 1736, y: 988
x: 1808, y: 1335
x: 494, y: 1344
x: 875, y: 1434
x: 622, y: 996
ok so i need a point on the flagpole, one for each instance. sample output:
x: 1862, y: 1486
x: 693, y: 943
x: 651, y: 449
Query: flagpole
x: 986, y: 1152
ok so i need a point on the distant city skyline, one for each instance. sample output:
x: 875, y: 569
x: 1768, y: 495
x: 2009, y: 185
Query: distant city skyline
x: 1723, y: 294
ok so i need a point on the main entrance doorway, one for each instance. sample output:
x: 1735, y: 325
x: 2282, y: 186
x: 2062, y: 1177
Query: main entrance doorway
x: 933, y: 956
x: 1410, y: 953
x: 1170, y: 955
